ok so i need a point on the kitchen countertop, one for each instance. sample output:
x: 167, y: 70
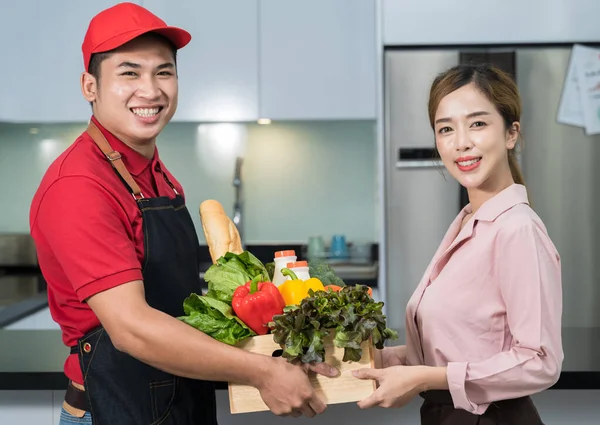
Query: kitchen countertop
x: 33, y: 360
x: 23, y: 308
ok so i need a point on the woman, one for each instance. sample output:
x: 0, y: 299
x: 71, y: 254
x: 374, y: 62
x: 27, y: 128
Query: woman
x: 483, y: 328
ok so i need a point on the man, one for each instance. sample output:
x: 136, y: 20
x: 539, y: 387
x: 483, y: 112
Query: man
x: 120, y: 253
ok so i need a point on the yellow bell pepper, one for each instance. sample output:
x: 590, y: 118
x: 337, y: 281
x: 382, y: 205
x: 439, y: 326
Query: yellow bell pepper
x: 295, y: 290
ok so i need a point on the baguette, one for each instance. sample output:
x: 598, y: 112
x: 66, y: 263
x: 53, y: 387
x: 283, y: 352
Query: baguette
x: 221, y: 234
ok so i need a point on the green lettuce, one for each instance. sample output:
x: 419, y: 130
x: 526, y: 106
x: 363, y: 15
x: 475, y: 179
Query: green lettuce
x: 215, y: 318
x: 351, y: 313
x: 230, y: 272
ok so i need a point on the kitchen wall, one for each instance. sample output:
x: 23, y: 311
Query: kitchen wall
x: 300, y: 178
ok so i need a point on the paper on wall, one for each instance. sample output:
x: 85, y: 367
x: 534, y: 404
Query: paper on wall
x: 569, y: 109
x: 580, y: 99
x: 588, y: 75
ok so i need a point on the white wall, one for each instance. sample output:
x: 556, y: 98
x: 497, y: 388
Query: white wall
x: 564, y: 407
x: 299, y: 178
x: 489, y: 21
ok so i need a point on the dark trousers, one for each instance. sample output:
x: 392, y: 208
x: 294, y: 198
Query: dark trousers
x: 438, y: 409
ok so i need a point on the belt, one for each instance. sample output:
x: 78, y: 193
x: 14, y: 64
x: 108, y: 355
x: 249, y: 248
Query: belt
x: 77, y: 398
x: 444, y: 398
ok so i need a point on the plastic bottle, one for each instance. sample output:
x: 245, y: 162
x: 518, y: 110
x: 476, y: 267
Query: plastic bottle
x: 282, y: 258
x: 300, y: 268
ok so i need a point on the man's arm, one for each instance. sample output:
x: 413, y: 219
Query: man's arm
x: 175, y: 347
x: 169, y: 344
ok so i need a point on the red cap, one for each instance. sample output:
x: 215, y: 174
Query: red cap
x: 123, y: 22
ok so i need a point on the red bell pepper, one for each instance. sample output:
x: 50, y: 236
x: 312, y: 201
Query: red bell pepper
x: 255, y: 303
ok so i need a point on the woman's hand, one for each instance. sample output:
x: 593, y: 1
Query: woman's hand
x: 398, y: 385
x: 393, y: 356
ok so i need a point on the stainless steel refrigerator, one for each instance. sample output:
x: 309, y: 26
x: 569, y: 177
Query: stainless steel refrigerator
x: 559, y: 164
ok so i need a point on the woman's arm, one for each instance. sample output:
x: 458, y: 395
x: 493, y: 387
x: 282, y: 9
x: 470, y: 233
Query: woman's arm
x: 529, y: 276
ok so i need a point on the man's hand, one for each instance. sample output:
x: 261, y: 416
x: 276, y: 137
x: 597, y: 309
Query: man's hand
x: 286, y: 390
x: 321, y: 368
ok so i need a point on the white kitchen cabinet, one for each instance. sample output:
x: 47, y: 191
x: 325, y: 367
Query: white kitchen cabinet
x: 317, y: 59
x: 278, y: 59
x: 506, y: 22
x: 218, y: 70
x: 41, y: 79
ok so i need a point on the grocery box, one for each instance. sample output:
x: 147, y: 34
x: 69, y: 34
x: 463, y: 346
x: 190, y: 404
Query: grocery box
x: 343, y: 388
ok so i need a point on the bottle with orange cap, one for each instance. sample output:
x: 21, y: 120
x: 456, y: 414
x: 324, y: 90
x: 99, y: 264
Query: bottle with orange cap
x: 282, y: 258
x: 298, y: 287
x: 300, y: 269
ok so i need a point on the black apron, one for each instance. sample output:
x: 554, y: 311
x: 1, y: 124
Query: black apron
x: 121, y: 389
x: 438, y: 409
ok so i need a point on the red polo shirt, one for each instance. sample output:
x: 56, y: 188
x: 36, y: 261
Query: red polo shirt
x: 88, y: 230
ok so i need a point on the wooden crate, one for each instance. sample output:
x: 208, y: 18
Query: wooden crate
x: 343, y: 388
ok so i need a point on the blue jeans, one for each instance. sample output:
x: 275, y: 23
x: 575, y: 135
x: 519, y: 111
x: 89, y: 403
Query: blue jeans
x: 67, y: 419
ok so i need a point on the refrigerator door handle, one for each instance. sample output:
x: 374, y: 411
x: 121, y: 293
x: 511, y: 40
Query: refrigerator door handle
x: 419, y: 163
x: 413, y: 157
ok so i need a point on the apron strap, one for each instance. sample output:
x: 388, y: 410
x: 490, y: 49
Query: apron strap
x: 114, y: 158
x: 169, y: 183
